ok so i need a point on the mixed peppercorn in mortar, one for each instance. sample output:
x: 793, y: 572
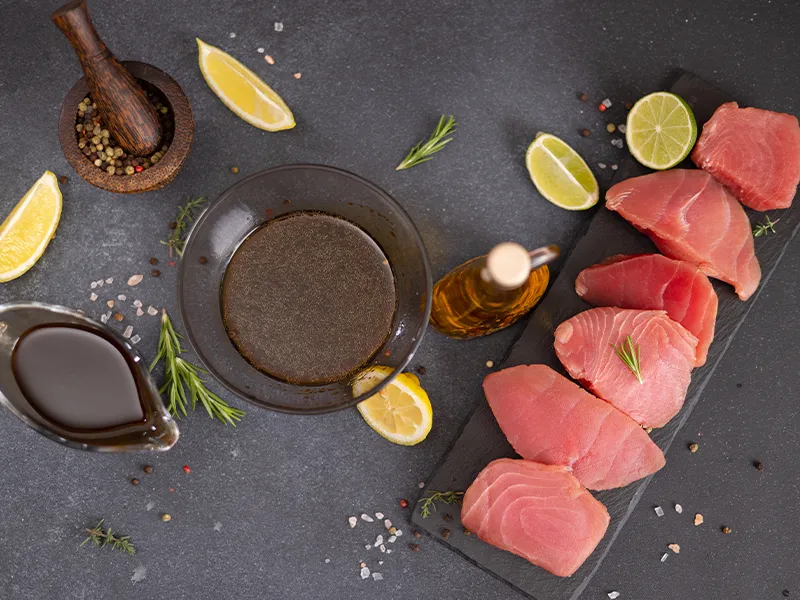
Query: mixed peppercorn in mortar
x: 102, y: 150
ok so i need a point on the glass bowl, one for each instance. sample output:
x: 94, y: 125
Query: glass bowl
x: 273, y: 193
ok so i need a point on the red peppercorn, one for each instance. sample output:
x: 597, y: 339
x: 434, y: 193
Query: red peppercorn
x: 403, y: 503
x: 138, y: 168
x: 186, y: 469
x: 602, y: 108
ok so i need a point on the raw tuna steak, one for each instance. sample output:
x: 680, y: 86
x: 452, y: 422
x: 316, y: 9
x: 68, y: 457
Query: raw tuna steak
x: 753, y: 152
x: 666, y: 357
x: 655, y: 282
x: 536, y: 511
x: 691, y: 217
x: 549, y: 419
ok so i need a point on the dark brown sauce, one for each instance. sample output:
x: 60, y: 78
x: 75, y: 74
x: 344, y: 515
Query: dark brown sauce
x: 308, y: 298
x: 77, y: 378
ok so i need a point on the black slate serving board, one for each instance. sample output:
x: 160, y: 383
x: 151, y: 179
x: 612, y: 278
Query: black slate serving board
x: 481, y: 440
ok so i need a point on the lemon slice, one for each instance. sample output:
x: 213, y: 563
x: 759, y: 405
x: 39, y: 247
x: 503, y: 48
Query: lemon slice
x: 242, y: 91
x: 560, y: 174
x: 661, y: 130
x: 25, y: 233
x: 401, y: 412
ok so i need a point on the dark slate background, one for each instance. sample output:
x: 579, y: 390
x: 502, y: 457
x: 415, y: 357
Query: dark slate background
x: 376, y: 75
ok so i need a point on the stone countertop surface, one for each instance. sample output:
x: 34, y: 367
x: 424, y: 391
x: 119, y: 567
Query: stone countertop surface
x: 263, y: 513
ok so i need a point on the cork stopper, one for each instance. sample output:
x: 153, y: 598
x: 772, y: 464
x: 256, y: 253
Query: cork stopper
x: 508, y: 265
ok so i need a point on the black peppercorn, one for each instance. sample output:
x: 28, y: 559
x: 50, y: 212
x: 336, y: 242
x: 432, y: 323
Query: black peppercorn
x: 414, y: 547
x: 202, y: 260
x: 447, y: 517
x: 445, y: 534
x: 758, y: 465
x: 155, y: 273
x: 585, y: 132
x: 148, y: 469
x: 583, y: 96
x: 421, y: 370
x: 153, y: 260
x: 134, y: 481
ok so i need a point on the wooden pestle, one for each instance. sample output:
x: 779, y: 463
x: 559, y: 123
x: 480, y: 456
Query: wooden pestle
x: 123, y: 105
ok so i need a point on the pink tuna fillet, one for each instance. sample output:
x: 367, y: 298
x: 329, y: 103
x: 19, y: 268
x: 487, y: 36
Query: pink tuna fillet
x: 539, y: 512
x: 753, y: 152
x: 691, y: 217
x: 655, y: 282
x: 666, y: 356
x: 549, y: 419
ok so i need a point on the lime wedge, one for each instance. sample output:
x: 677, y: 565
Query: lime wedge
x: 560, y: 174
x: 661, y: 130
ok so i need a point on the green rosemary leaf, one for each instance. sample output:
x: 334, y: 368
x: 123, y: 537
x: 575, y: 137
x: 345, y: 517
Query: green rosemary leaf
x: 628, y: 352
x: 424, y: 151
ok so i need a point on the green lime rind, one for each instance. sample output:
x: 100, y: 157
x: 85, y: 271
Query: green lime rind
x: 661, y: 130
x: 560, y: 174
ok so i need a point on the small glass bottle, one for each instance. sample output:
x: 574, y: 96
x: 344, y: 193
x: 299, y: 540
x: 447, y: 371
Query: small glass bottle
x: 491, y: 292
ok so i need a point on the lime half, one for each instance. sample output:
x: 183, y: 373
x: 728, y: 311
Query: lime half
x: 661, y: 130
x: 560, y: 174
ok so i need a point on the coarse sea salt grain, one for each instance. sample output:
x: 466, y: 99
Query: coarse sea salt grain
x: 601, y: 165
x: 378, y: 541
x: 665, y: 556
x: 613, y: 595
x: 152, y: 311
x: 93, y: 285
x: 93, y: 297
x: 622, y: 128
x: 382, y: 548
x: 388, y: 552
x: 617, y: 142
x: 104, y: 318
x: 327, y: 560
x: 260, y: 50
x: 136, y: 339
x: 137, y: 303
x: 380, y: 562
x: 678, y: 508
x: 614, y: 167
x: 139, y: 312
x: 231, y: 35
x: 110, y: 280
x: 398, y: 533
x: 659, y: 511
x: 387, y: 523
x: 367, y: 547
x: 606, y: 103
x: 278, y: 26
x: 135, y: 279
x: 367, y: 518
x: 122, y: 297
x: 377, y: 577
x: 421, y: 484
x: 378, y: 515
x: 128, y: 331
x: 364, y: 572
x: 100, y: 283
x: 352, y: 521
x: 392, y: 539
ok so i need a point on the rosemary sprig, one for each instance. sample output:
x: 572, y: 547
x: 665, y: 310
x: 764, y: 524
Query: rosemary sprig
x: 103, y: 537
x: 177, y: 239
x: 429, y: 502
x: 181, y: 376
x: 765, y: 228
x: 628, y: 353
x: 423, y: 151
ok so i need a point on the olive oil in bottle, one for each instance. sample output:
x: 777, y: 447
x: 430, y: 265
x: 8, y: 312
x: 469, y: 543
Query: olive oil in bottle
x: 491, y: 292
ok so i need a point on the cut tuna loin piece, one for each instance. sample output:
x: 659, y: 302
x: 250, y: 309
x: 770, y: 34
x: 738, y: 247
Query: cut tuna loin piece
x: 655, y: 282
x: 539, y: 512
x: 666, y: 353
x: 549, y: 419
x: 753, y: 152
x: 691, y: 217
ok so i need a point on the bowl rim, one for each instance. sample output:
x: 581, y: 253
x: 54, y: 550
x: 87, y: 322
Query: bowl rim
x: 419, y: 334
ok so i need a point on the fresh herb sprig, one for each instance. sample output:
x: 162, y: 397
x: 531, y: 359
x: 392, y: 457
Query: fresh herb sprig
x: 185, y: 216
x: 628, y: 353
x: 765, y: 228
x: 181, y: 376
x: 424, y: 151
x: 429, y: 503
x: 103, y: 537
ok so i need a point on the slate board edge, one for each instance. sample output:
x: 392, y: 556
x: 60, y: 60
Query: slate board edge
x: 677, y: 76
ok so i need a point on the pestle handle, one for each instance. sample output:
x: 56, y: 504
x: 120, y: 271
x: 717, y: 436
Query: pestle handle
x: 128, y: 114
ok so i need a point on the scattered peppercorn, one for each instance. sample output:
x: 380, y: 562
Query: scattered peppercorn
x: 416, y: 534
x: 601, y: 107
x: 202, y: 260
x: 414, y: 547
x: 118, y: 316
x: 234, y: 170
x: 738, y: 385
x: 173, y: 225
x: 154, y: 261
x: 785, y: 593
x: 171, y: 490
x: 63, y: 180
x: 467, y: 531
x: 694, y: 447
x: 138, y: 168
x: 758, y: 465
x: 447, y: 517
x: 403, y: 503
x: 445, y: 534
x: 726, y: 530
x: 421, y: 370
x: 583, y: 96
x: 628, y: 105
x: 698, y: 520
x: 155, y: 273
x: 585, y: 132
x: 134, y: 481
x: 392, y: 530
x: 166, y: 517
x: 611, y: 128
x: 148, y: 469
x: 186, y: 469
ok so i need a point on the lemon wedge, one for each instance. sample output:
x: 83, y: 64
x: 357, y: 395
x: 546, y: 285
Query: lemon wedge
x: 401, y: 412
x: 242, y: 91
x: 25, y: 233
